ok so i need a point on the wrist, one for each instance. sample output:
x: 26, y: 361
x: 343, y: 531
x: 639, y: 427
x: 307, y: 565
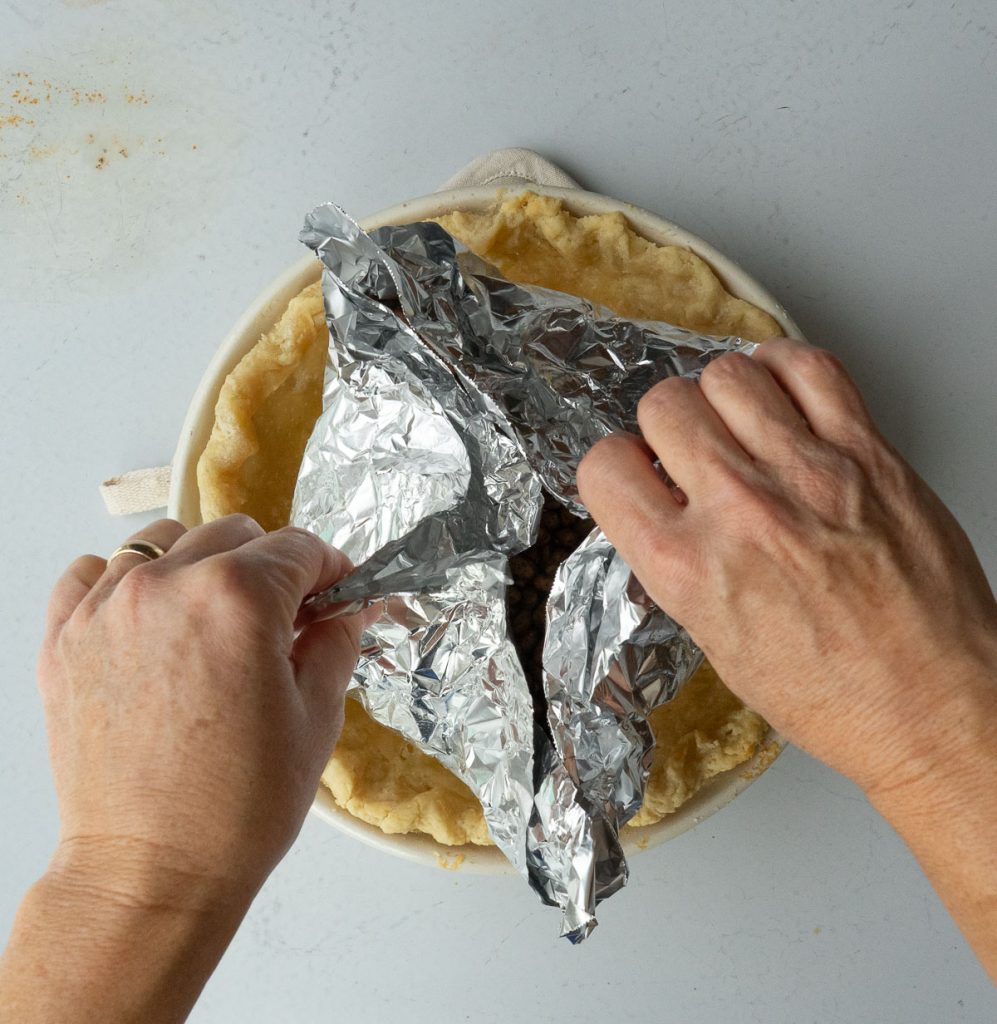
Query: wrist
x: 943, y: 806
x: 945, y: 756
x: 128, y: 948
x: 138, y: 875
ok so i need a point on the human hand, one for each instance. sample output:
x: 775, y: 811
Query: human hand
x: 827, y: 584
x: 188, y: 725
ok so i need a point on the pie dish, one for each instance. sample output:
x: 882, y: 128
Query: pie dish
x: 250, y: 421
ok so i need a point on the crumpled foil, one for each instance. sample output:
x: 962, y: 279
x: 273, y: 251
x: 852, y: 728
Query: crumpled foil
x: 453, y: 400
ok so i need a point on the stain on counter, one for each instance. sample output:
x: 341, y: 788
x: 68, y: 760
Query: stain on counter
x: 52, y: 103
x: 109, y: 164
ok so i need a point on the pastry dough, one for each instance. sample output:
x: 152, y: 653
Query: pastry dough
x: 380, y: 777
x: 270, y: 401
x: 264, y: 415
x: 535, y: 240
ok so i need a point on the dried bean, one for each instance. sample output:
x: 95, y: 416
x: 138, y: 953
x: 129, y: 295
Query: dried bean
x: 559, y: 533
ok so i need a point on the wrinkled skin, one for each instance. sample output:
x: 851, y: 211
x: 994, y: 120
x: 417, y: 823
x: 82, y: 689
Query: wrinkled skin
x: 825, y: 581
x: 186, y: 721
x: 830, y: 588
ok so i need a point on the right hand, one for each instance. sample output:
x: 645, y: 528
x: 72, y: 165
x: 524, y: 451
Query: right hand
x: 827, y: 584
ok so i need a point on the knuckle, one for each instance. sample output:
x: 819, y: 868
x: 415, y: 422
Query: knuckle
x: 305, y: 540
x: 675, y: 569
x: 665, y: 552
x: 820, y: 364
x: 655, y: 404
x: 599, y: 460
x: 138, y: 586
x: 588, y: 472
x: 730, y: 367
x: 649, y: 404
x: 170, y: 524
x: 300, y: 547
x: 241, y: 523
x: 85, y: 565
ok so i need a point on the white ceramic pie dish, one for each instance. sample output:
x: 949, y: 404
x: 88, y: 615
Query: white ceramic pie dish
x: 184, y: 499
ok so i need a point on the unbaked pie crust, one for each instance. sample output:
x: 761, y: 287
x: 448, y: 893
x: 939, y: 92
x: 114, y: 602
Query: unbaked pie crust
x: 270, y: 401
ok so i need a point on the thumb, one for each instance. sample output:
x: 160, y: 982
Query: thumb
x: 324, y: 656
x: 297, y: 563
x: 290, y: 564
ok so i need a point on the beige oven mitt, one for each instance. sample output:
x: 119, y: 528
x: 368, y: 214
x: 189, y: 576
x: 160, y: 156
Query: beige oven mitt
x: 143, y: 490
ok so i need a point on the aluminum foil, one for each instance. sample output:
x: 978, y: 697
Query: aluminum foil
x: 454, y: 399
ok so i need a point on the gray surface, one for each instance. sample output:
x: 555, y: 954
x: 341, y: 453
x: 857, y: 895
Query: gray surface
x: 842, y: 152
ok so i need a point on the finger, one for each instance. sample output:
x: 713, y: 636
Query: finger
x: 325, y: 655
x: 754, y: 408
x: 72, y: 587
x: 215, y: 537
x: 286, y: 566
x: 626, y: 495
x: 688, y: 436
x: 164, y: 533
x: 819, y: 386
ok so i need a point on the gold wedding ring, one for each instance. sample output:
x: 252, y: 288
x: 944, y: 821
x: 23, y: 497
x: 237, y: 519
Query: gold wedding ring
x: 145, y: 549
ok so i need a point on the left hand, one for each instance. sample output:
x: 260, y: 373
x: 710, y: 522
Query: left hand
x: 188, y: 723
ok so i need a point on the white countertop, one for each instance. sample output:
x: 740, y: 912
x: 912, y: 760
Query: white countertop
x: 843, y: 152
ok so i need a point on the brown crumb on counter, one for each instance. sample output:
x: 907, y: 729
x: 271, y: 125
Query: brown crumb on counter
x: 80, y: 96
